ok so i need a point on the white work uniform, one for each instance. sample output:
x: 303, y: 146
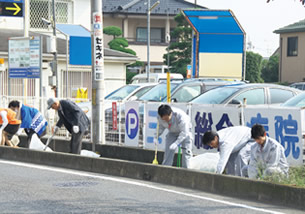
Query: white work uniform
x: 179, y: 132
x: 234, y: 149
x: 267, y: 159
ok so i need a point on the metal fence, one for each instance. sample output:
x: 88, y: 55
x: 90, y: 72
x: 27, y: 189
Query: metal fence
x: 43, y: 9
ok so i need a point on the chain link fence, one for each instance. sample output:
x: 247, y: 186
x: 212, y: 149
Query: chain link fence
x: 43, y: 9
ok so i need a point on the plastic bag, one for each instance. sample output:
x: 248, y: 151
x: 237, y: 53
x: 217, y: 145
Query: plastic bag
x: 36, y: 144
x: 15, y: 140
x: 206, y: 162
x: 89, y: 153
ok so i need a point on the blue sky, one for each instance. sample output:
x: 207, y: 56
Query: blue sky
x: 259, y: 19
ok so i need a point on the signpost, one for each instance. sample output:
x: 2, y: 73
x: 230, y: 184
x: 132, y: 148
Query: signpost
x: 24, y: 57
x: 12, y: 8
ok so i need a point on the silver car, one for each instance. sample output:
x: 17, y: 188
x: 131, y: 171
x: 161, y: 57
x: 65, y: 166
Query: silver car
x: 254, y: 93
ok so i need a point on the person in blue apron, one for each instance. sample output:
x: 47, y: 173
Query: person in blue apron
x: 32, y: 121
x: 179, y: 127
x: 234, y: 146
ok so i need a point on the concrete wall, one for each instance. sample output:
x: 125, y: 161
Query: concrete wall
x: 292, y: 67
x: 219, y: 184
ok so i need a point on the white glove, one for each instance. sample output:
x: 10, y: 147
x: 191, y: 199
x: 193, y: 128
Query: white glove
x: 19, y: 131
x: 56, y: 128
x: 173, y: 146
x: 75, y: 129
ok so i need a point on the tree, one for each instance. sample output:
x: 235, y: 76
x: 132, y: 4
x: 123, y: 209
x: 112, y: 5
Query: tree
x: 270, y: 69
x: 181, y: 48
x: 253, y: 67
x: 118, y: 43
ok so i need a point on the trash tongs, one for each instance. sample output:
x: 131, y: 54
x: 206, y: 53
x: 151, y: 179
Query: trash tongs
x: 48, y: 141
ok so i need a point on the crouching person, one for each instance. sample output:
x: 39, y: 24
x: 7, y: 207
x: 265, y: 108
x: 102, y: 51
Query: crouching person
x: 9, y: 125
x: 179, y: 127
x: 267, y: 155
x: 234, y: 144
x: 32, y: 121
x: 73, y: 118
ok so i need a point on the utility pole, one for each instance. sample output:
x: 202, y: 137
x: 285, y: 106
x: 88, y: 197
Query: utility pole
x: 54, y: 68
x: 149, y: 9
x: 148, y: 40
x: 98, y: 78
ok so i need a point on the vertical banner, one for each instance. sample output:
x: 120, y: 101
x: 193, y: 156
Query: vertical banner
x: 98, y: 46
x: 114, y: 116
x: 282, y: 124
x: 151, y: 114
x: 132, y: 122
x: 211, y: 117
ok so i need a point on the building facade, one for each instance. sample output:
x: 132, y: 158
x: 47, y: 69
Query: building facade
x: 292, y: 52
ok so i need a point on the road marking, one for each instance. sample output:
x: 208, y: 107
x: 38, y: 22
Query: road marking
x: 122, y: 180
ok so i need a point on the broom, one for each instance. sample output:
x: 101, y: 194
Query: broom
x: 155, y: 161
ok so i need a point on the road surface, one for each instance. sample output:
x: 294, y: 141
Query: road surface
x: 29, y: 188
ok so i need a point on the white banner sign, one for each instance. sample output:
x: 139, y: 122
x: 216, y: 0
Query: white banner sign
x: 151, y: 113
x: 282, y: 124
x: 132, y: 124
x: 207, y: 117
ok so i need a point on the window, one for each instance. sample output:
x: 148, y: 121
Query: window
x: 279, y: 95
x: 292, y: 46
x: 187, y: 93
x: 43, y: 9
x: 156, y: 35
x: 253, y: 97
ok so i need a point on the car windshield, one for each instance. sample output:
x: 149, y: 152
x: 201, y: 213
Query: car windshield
x: 298, y: 101
x: 215, y: 96
x: 157, y: 93
x: 122, y: 92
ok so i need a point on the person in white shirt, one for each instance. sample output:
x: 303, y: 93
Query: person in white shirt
x: 267, y: 155
x: 234, y: 144
x: 179, y: 127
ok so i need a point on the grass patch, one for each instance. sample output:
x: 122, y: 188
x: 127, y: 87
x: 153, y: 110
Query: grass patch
x: 296, y: 177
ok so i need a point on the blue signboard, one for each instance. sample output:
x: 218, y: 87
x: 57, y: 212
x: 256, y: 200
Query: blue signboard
x: 24, y: 57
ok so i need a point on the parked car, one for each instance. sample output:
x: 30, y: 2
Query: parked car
x: 297, y: 101
x: 298, y: 85
x: 156, y: 78
x: 254, y: 93
x: 125, y: 93
x: 183, y: 92
x: 180, y: 92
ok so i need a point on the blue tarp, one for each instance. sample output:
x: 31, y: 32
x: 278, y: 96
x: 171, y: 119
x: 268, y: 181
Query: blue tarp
x: 79, y: 43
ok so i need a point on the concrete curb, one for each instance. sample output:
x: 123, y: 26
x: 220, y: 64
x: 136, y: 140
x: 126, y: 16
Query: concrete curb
x: 213, y: 183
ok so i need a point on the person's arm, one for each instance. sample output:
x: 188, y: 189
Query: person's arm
x: 253, y: 167
x: 224, y: 155
x: 273, y: 158
x: 3, y: 115
x: 73, y: 110
x: 161, y: 127
x: 184, y: 127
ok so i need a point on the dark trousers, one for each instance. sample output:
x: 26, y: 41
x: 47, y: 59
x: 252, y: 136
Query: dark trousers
x: 76, y: 142
x: 11, y: 129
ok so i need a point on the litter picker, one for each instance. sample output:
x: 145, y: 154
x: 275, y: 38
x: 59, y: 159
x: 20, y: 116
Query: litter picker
x: 48, y: 141
x: 155, y: 161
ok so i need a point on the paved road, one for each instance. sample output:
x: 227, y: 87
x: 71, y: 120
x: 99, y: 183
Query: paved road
x: 28, y: 188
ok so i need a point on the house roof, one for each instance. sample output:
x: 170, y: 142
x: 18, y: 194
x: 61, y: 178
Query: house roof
x: 61, y: 44
x: 139, y: 7
x: 295, y: 27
